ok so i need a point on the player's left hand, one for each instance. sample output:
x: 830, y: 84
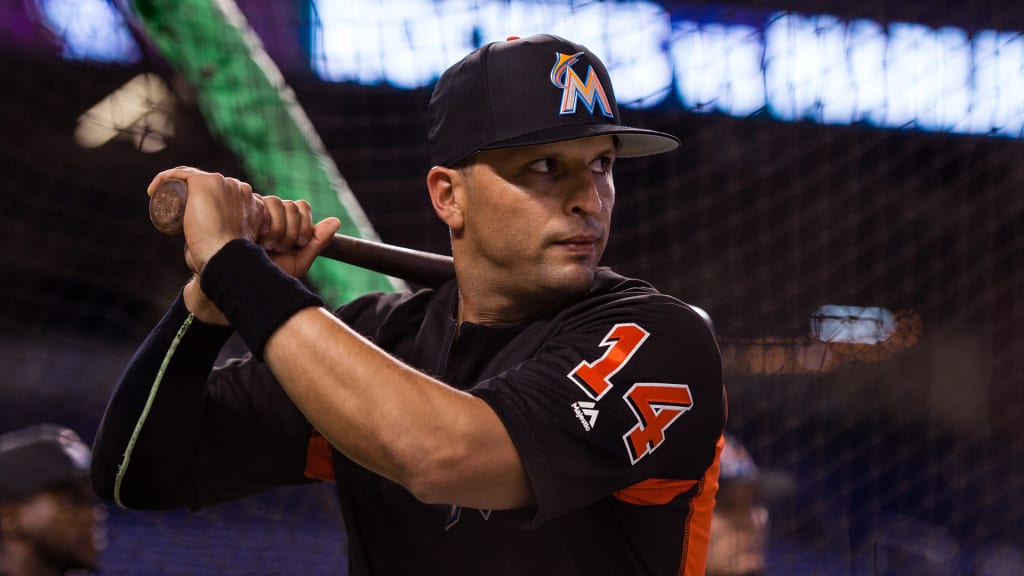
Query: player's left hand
x: 219, y: 210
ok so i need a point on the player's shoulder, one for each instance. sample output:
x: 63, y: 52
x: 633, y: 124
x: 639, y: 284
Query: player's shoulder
x: 614, y: 296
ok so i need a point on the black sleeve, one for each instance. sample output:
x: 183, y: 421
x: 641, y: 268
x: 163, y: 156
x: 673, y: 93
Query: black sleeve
x: 179, y: 433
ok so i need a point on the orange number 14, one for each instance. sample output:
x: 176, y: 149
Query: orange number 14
x: 655, y: 405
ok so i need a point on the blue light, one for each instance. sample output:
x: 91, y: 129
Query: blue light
x: 718, y: 67
x: 91, y: 30
x: 852, y: 324
x: 738, y: 62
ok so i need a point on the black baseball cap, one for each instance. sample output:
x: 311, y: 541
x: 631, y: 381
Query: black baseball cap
x: 527, y: 91
x: 40, y: 457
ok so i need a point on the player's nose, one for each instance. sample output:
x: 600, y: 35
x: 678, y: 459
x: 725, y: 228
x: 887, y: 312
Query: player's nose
x: 584, y: 195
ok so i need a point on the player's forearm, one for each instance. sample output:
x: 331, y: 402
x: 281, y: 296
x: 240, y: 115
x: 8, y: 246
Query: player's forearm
x: 145, y: 443
x: 441, y: 444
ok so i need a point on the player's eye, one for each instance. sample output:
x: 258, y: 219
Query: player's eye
x: 544, y: 166
x: 602, y: 165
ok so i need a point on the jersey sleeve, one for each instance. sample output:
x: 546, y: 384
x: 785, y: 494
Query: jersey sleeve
x: 624, y: 395
x: 178, y: 433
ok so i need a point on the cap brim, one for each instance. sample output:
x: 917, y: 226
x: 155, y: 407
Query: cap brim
x: 634, y: 142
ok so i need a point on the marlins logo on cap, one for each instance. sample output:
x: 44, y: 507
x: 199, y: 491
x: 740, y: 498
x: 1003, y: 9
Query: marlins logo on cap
x: 575, y: 89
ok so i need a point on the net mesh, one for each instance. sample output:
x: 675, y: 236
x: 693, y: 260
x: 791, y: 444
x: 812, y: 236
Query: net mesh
x: 903, y: 457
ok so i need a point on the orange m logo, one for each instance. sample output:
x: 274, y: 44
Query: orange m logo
x: 574, y: 88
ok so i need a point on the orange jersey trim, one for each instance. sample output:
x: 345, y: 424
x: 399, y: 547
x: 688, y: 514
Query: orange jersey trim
x: 319, y: 458
x: 697, y: 536
x: 654, y: 491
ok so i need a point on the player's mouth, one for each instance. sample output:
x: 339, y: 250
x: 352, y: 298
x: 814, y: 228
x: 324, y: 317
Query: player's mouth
x: 583, y: 244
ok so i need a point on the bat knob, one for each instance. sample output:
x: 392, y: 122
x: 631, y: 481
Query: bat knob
x: 167, y: 206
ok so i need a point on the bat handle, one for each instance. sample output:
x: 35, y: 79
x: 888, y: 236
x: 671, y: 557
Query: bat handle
x: 167, y: 212
x: 167, y: 206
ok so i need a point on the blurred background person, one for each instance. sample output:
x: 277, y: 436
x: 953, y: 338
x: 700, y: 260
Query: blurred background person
x: 50, y: 521
x: 739, y: 526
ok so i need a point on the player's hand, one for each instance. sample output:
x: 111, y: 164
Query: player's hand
x: 200, y: 306
x: 219, y: 210
x: 292, y: 252
x: 289, y: 236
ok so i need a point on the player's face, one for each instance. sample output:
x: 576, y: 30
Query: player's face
x: 537, y: 217
x: 63, y: 527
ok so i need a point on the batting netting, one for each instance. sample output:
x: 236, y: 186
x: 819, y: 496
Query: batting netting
x: 847, y: 205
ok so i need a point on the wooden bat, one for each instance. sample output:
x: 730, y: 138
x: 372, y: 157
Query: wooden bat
x: 167, y: 211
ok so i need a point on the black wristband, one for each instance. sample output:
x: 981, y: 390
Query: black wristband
x: 253, y: 293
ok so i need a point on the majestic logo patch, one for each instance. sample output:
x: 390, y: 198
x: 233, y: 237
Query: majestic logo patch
x: 587, y: 90
x: 586, y: 413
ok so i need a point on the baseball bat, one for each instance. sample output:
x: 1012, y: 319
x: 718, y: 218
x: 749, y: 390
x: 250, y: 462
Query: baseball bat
x: 167, y: 212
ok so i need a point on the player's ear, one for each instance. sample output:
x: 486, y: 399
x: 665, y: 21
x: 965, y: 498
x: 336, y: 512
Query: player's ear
x: 445, y: 186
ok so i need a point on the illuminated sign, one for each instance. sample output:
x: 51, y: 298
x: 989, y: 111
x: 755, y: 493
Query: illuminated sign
x: 791, y: 66
x: 90, y: 30
x: 731, y: 60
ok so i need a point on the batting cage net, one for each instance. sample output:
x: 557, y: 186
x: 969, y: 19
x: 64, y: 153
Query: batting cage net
x: 846, y: 205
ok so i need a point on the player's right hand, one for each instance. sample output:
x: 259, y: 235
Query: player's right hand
x: 289, y: 236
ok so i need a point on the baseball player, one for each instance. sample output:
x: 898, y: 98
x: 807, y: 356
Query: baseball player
x: 50, y: 522
x: 538, y: 414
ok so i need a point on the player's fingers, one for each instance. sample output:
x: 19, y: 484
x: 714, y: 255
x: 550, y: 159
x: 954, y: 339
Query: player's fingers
x: 210, y: 197
x: 299, y: 225
x: 321, y: 235
x: 240, y: 191
x: 255, y: 209
x: 275, y: 222
x: 252, y: 205
x: 305, y: 223
x: 292, y: 224
x: 323, y: 232
x: 244, y: 187
x: 179, y: 172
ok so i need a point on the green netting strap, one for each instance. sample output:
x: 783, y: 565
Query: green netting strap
x: 247, y: 103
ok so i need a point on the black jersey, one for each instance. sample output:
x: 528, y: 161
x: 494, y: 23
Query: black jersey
x: 614, y: 402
